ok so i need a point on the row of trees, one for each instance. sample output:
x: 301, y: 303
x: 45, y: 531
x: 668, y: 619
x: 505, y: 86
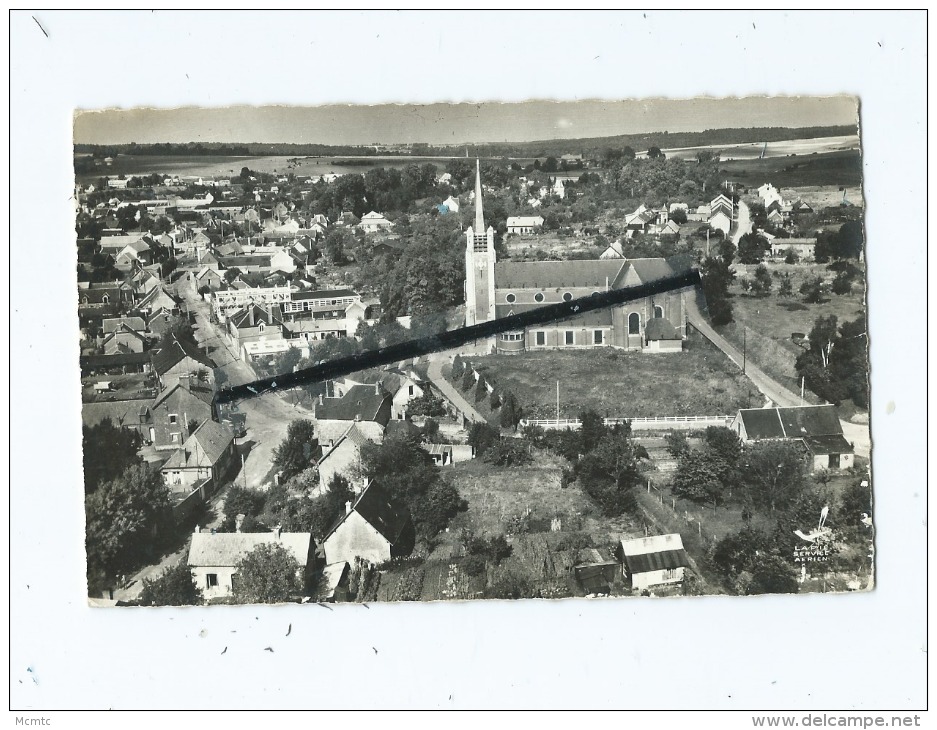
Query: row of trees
x: 835, y: 366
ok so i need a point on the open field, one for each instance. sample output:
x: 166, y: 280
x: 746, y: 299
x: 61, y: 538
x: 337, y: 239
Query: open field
x: 699, y: 381
x: 830, y: 168
x: 783, y: 148
x: 771, y: 320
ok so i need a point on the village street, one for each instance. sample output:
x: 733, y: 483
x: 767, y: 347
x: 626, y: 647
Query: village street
x: 743, y: 224
x: 434, y: 373
x: 267, y: 417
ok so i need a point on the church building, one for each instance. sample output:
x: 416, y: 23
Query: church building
x: 494, y: 290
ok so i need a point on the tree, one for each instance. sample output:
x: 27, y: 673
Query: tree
x: 842, y: 284
x: 436, y: 508
x: 850, y: 240
x: 511, y: 411
x: 724, y: 443
x: 678, y: 216
x: 458, y: 367
x: 734, y: 553
x: 761, y: 284
x: 337, y: 241
x: 717, y: 275
x: 771, y: 574
x: 654, y: 153
x: 468, y: 379
x: 107, y: 451
x: 812, y: 290
x: 752, y: 248
x: 481, y: 437
x: 701, y: 477
x: 856, y: 500
x: 549, y: 165
x: 677, y: 444
x: 609, y: 472
x: 173, y: 587
x: 122, y: 518
x: 267, y: 574
x: 786, y: 287
x: 297, y: 451
x: 774, y: 474
x: 591, y: 430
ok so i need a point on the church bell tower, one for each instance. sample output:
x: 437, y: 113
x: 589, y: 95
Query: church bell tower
x: 479, y: 263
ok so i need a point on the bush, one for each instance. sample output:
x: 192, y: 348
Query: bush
x: 509, y: 452
x: 481, y: 436
x: 494, y: 401
x: 468, y: 379
x: 458, y: 367
x: 842, y: 284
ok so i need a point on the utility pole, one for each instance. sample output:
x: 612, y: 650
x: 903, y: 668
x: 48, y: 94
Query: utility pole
x: 744, y: 347
x: 557, y: 400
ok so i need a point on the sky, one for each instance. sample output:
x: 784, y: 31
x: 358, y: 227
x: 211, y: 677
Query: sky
x: 455, y: 123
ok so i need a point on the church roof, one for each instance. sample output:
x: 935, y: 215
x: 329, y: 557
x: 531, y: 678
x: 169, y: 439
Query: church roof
x: 557, y: 274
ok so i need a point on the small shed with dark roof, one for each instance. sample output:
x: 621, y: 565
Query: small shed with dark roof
x: 653, y: 561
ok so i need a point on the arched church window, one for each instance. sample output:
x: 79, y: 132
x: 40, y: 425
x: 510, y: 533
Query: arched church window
x: 658, y: 311
x: 634, y: 323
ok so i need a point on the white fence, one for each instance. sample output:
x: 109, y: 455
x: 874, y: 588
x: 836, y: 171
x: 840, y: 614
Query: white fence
x: 679, y: 423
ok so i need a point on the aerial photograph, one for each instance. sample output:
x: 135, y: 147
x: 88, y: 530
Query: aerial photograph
x: 592, y: 349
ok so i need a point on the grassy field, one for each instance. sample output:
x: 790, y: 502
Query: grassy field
x: 829, y: 168
x: 698, y: 381
x: 769, y: 322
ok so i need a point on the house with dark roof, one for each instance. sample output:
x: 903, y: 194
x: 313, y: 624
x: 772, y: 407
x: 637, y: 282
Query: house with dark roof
x: 818, y: 428
x: 124, y: 339
x: 209, y: 452
x: 255, y: 323
x: 173, y: 411
x: 343, y: 457
x: 117, y: 364
x: 368, y: 405
x: 501, y: 289
x: 374, y: 528
x: 213, y: 557
x: 657, y: 560
x: 182, y: 361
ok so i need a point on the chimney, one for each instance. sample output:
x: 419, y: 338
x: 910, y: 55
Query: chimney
x: 320, y: 398
x: 347, y: 508
x: 238, y: 521
x: 377, y: 388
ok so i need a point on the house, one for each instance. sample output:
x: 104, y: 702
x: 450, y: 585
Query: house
x: 658, y: 560
x: 173, y: 413
x: 213, y: 557
x: 134, y: 414
x: 117, y: 364
x: 613, y: 251
x: 368, y: 405
x: 721, y: 202
x: 372, y: 222
x: 670, y: 228
x: 343, y: 457
x: 209, y: 452
x: 113, y: 324
x: 804, y: 248
x: 182, y: 361
x: 374, y: 528
x: 818, y: 428
x: 769, y: 194
x: 255, y: 322
x: 333, y: 583
x: 452, y: 205
x: 410, y: 386
x: 720, y: 221
x: 209, y: 277
x: 134, y: 253
x: 775, y: 217
x: 124, y: 340
x: 801, y: 207
x: 525, y: 224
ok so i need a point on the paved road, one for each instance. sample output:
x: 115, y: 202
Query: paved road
x: 743, y: 224
x: 857, y: 434
x: 268, y: 416
x: 434, y: 372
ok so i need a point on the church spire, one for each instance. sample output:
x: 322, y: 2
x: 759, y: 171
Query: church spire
x: 479, y: 211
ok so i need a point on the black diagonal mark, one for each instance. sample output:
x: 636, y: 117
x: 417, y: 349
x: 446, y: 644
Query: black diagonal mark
x: 455, y: 338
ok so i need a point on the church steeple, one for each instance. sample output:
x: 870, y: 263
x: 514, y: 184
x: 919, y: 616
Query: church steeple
x: 479, y: 210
